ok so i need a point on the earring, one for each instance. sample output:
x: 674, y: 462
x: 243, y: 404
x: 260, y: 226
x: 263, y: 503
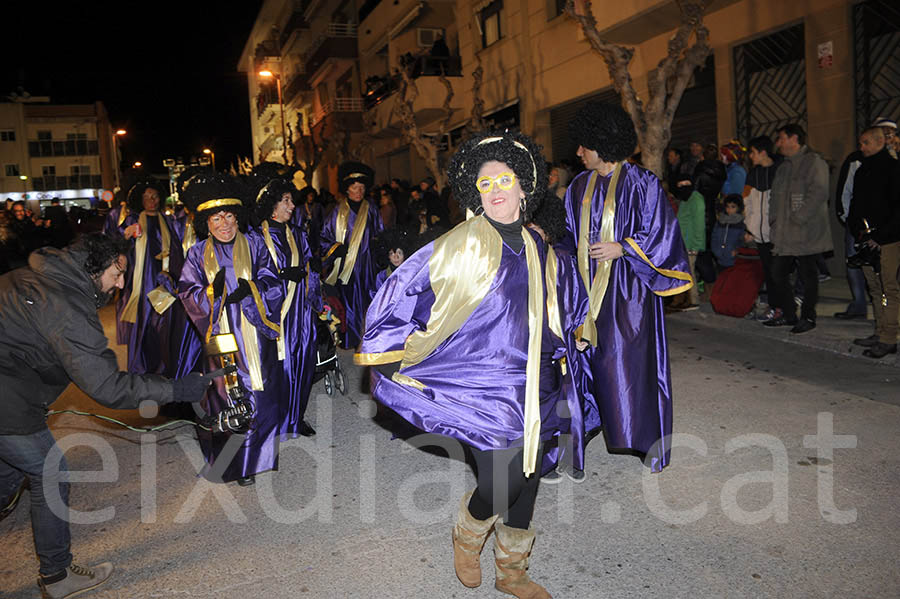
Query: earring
x: 522, y: 204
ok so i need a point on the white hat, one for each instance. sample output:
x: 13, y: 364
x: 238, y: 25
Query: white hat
x: 884, y: 122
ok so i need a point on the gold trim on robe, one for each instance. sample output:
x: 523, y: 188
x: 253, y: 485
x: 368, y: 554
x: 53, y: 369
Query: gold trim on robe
x: 160, y: 298
x: 673, y: 274
x: 291, y: 285
x: 340, y: 232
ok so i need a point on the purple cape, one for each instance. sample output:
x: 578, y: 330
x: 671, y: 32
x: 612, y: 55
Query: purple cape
x: 625, y: 381
x: 475, y: 380
x: 356, y: 294
x: 299, y: 332
x: 155, y: 341
x: 258, y: 449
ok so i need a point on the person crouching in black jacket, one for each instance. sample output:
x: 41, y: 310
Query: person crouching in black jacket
x: 50, y: 336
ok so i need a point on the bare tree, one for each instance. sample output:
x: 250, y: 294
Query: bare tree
x: 306, y: 150
x: 666, y: 83
x: 427, y: 145
x: 476, y: 121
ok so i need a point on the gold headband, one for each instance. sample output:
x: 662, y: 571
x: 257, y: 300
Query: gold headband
x: 354, y: 176
x: 488, y: 140
x: 219, y: 203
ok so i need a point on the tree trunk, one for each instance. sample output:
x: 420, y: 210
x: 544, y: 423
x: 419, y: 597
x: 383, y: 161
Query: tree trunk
x: 666, y: 83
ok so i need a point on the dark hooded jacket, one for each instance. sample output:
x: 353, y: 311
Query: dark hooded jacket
x: 876, y: 198
x: 50, y: 335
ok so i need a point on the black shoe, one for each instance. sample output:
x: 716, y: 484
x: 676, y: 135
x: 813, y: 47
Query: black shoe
x: 780, y: 321
x: 869, y: 341
x: 306, y: 430
x: 847, y: 315
x: 880, y: 350
x: 804, y: 325
x: 10, y: 506
x: 246, y: 481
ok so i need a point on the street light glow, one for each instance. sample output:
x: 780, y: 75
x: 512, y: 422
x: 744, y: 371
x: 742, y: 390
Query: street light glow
x: 207, y: 151
x: 138, y: 164
x: 266, y: 74
x: 23, y: 177
x: 121, y: 132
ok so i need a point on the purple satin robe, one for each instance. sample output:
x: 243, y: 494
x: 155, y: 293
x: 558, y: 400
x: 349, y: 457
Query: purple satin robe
x: 309, y: 219
x: 258, y: 448
x: 299, y: 331
x: 625, y: 381
x: 154, y: 340
x: 357, y: 293
x: 190, y: 350
x: 475, y: 380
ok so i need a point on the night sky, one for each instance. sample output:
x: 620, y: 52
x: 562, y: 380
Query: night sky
x: 168, y: 76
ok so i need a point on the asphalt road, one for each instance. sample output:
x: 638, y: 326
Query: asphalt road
x: 783, y: 483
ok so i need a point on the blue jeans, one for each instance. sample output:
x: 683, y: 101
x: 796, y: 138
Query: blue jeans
x: 24, y: 456
x: 855, y: 279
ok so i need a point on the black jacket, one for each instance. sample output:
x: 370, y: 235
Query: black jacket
x: 876, y: 197
x: 50, y: 335
x: 854, y: 156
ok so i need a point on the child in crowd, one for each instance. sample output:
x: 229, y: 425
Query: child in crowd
x: 390, y: 249
x: 728, y: 232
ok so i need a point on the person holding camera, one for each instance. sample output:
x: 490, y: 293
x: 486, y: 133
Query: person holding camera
x: 50, y: 336
x: 874, y: 222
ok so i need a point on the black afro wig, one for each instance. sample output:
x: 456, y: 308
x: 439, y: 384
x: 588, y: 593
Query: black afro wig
x: 354, y: 172
x: 606, y: 129
x: 184, y: 178
x: 387, y: 241
x: 136, y: 194
x: 516, y: 150
x: 551, y: 217
x: 207, y: 187
x: 270, y: 195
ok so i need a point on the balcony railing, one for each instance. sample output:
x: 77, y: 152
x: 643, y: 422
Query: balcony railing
x: 337, y: 41
x: 379, y: 88
x: 70, y: 147
x: 51, y: 183
x: 267, y: 95
x: 296, y: 23
x: 338, y: 105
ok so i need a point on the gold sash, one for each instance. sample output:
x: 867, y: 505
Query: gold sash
x: 291, y: 285
x: 340, y: 231
x: 242, y: 270
x: 462, y: 268
x: 160, y: 298
x: 190, y: 237
x: 123, y: 213
x: 597, y: 288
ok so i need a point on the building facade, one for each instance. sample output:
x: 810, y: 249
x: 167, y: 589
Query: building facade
x: 831, y: 65
x: 48, y: 151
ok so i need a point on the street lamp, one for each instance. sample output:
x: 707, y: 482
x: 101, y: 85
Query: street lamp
x: 268, y: 74
x: 212, y: 155
x: 118, y: 164
x: 138, y: 164
x: 24, y: 180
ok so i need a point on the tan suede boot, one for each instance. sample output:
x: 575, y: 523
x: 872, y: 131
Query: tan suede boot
x: 469, y: 535
x: 512, y: 546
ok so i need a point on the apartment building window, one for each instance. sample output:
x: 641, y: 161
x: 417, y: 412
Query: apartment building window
x: 555, y: 8
x: 8, y: 135
x: 79, y: 169
x: 12, y: 170
x: 48, y: 171
x: 490, y: 23
x: 44, y: 135
x: 76, y: 135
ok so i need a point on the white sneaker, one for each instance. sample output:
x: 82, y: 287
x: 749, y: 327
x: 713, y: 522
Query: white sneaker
x: 77, y: 580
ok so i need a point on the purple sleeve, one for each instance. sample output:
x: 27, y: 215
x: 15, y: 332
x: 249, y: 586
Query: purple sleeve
x: 192, y: 288
x: 655, y: 248
x: 271, y: 291
x: 401, y: 307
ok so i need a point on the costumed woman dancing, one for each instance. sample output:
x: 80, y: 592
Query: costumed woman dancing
x: 346, y: 259
x: 230, y: 284
x: 464, y: 339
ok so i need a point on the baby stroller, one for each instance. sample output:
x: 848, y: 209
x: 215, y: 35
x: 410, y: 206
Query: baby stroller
x: 328, y: 366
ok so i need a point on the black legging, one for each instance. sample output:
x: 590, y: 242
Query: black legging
x: 503, y: 488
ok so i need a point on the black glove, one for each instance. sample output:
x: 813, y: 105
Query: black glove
x: 340, y: 252
x: 242, y: 291
x: 218, y: 283
x: 293, y: 273
x: 190, y: 388
x: 315, y: 264
x: 387, y: 370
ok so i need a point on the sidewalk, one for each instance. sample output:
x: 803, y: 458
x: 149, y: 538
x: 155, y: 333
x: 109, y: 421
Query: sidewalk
x: 830, y: 334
